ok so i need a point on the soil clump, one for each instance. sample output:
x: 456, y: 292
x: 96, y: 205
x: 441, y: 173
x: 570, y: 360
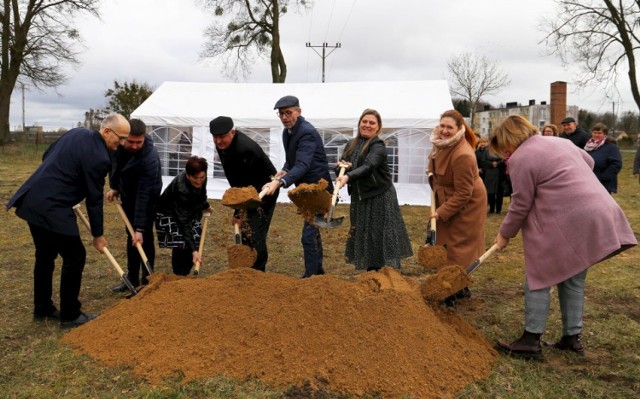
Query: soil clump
x: 371, y: 336
x: 311, y: 199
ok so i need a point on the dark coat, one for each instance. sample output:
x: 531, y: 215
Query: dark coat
x: 493, y: 176
x: 138, y: 179
x: 245, y: 163
x: 579, y: 137
x: 74, y: 168
x: 636, y: 162
x: 608, y: 163
x: 370, y: 176
x: 306, y: 159
x: 185, y: 203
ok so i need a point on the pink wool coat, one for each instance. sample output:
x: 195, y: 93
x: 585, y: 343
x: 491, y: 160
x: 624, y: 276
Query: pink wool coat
x: 568, y: 220
x: 461, y: 201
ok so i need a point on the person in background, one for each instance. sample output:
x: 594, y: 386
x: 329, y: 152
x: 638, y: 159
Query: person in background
x: 245, y: 164
x: 306, y: 162
x: 492, y: 168
x: 461, y: 198
x: 136, y: 179
x: 183, y: 201
x: 378, y: 236
x: 73, y: 169
x: 481, y: 147
x: 559, y: 246
x: 606, y: 155
x: 573, y: 132
x: 550, y: 130
x: 636, y: 164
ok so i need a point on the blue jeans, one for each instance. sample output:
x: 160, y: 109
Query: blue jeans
x: 312, y: 247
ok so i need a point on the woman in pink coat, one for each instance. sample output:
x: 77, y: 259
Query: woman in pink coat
x: 563, y: 212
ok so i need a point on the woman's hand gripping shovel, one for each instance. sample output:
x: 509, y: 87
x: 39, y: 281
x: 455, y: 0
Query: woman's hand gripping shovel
x: 430, y: 255
x: 105, y: 250
x: 143, y: 255
x: 329, y: 222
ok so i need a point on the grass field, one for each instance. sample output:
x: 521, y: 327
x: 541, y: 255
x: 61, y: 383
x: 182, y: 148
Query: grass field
x: 36, y: 365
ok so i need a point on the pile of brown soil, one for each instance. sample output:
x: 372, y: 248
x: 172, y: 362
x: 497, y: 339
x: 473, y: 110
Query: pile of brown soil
x: 311, y: 199
x: 447, y: 281
x: 432, y: 256
x: 241, y: 256
x: 372, y: 336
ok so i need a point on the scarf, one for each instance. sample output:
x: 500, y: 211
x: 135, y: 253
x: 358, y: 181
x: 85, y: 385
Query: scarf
x: 593, y: 145
x: 440, y: 143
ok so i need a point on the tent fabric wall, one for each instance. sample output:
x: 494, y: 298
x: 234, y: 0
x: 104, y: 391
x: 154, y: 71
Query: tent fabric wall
x: 409, y: 110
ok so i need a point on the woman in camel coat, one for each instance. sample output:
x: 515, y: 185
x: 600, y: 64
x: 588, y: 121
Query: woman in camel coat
x: 461, y: 198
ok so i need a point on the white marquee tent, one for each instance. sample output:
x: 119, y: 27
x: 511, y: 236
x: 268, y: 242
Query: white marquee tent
x: 178, y: 114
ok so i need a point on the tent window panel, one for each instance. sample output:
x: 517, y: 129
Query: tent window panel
x: 260, y: 136
x: 334, y: 142
x: 174, y: 147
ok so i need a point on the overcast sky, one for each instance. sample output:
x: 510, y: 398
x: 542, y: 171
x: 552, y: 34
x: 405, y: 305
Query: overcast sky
x: 154, y: 41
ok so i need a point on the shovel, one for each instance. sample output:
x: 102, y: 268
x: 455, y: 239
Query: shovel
x: 205, y: 222
x: 451, y: 279
x: 240, y: 256
x: 330, y: 222
x: 143, y: 256
x: 105, y: 250
x: 430, y: 255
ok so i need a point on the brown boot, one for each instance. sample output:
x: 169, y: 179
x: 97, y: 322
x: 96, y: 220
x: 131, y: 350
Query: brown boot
x: 526, y: 347
x: 570, y: 342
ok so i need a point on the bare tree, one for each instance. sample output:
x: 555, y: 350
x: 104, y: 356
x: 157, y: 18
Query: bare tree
x: 598, y: 36
x: 38, y: 37
x: 475, y: 76
x: 253, y: 31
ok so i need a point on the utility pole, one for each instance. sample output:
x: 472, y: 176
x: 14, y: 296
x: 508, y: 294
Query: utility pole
x: 324, y: 46
x: 24, y: 129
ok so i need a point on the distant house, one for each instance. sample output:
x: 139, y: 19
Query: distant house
x: 538, y: 114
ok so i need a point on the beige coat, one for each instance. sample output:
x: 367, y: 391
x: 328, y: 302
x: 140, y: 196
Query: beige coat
x: 461, y: 202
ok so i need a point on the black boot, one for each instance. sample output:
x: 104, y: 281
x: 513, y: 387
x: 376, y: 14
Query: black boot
x: 570, y: 342
x: 526, y: 347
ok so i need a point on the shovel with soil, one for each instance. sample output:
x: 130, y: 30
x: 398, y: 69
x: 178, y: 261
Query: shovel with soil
x: 243, y: 199
x: 451, y: 279
x: 105, y: 250
x: 430, y: 255
x: 329, y: 222
x: 311, y: 199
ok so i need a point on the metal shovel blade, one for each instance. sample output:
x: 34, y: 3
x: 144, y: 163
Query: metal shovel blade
x: 130, y: 286
x: 328, y: 223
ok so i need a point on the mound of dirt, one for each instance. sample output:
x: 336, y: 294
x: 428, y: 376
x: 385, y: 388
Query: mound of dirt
x: 372, y: 336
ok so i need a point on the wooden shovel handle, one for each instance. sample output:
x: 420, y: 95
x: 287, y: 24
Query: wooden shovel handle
x: 433, y: 210
x: 143, y: 255
x: 236, y: 228
x: 481, y: 259
x: 336, y: 186
x: 205, y: 222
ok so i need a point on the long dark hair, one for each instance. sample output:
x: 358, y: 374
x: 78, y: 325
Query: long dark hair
x: 351, y: 147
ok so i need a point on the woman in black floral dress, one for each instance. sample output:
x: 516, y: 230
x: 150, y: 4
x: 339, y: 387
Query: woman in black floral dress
x: 378, y: 236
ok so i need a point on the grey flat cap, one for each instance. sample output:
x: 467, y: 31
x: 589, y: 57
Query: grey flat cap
x: 286, y: 102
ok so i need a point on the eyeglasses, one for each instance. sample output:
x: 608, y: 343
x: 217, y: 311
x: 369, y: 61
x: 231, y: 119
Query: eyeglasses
x: 120, y: 138
x: 285, y: 113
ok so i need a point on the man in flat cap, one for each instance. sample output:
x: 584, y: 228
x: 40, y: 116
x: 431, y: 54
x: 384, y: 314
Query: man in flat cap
x: 306, y: 162
x: 576, y: 134
x: 246, y: 164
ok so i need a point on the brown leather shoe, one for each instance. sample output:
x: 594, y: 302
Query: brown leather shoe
x: 570, y: 342
x: 526, y: 347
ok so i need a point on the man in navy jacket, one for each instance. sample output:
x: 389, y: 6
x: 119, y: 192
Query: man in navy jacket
x: 136, y: 177
x: 306, y: 162
x: 73, y: 169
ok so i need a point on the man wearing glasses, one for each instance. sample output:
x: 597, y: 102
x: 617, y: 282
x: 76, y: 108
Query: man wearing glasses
x: 306, y: 162
x: 73, y: 169
x: 136, y: 178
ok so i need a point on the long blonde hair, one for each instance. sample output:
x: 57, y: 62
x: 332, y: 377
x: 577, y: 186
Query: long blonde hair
x: 351, y: 146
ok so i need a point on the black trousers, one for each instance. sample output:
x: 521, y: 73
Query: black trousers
x: 48, y: 246
x: 181, y: 261
x: 259, y: 221
x: 134, y: 260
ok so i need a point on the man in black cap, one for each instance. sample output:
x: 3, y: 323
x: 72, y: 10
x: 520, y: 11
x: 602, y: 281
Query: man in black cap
x: 576, y: 134
x: 246, y: 164
x: 306, y: 162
